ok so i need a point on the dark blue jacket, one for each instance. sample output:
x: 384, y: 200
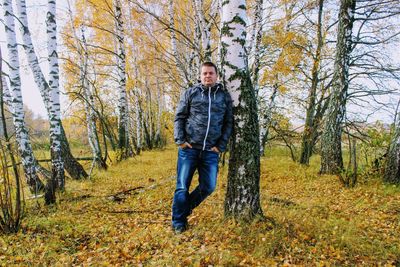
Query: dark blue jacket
x: 204, y: 117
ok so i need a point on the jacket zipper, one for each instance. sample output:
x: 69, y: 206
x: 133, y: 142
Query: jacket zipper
x: 209, y: 117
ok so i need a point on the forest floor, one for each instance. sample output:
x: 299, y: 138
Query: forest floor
x: 122, y: 217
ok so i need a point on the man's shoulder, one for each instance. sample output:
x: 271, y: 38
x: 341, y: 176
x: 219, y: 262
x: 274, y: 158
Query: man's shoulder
x: 192, y: 88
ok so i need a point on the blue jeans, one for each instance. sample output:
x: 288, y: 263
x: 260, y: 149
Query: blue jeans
x: 190, y: 159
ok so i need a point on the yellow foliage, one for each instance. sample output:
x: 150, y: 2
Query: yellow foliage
x: 289, y: 45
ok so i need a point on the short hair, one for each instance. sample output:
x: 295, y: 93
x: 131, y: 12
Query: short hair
x: 210, y: 64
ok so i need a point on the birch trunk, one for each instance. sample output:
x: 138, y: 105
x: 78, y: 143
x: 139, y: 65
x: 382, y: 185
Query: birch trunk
x: 157, y: 139
x: 255, y: 44
x: 138, y: 123
x: 89, y: 107
x: 71, y: 165
x: 28, y: 159
x: 57, y: 163
x: 205, y: 30
x: 6, y: 93
x: 137, y: 111
x: 123, y: 126
x: 392, y: 168
x: 87, y: 95
x: 311, y: 123
x: 243, y: 190
x: 331, y: 146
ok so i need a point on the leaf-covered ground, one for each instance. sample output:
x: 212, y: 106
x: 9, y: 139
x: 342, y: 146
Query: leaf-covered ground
x: 122, y: 217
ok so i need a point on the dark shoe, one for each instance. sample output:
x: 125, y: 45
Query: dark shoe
x: 180, y: 229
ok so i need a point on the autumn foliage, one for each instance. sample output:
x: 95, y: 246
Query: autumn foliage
x: 122, y: 217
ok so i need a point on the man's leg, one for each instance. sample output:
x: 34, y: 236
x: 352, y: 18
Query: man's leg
x: 208, y: 170
x: 187, y: 163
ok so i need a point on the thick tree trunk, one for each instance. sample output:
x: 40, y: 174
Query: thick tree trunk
x: 71, y: 164
x: 28, y: 159
x: 57, y: 163
x: 123, y: 125
x: 243, y: 190
x: 331, y: 146
x: 311, y: 125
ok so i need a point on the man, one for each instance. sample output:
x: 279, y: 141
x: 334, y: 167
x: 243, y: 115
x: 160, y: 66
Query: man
x: 202, y: 126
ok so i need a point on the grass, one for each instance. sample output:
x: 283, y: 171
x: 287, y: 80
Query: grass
x: 317, y: 221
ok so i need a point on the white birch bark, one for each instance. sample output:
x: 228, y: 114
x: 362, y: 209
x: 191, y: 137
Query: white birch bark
x: 54, y: 97
x: 90, y: 105
x: 137, y: 110
x: 159, y: 114
x: 138, y: 123
x: 87, y: 95
x: 172, y: 32
x: 195, y: 53
x: 28, y: 160
x: 6, y: 93
x: 123, y: 118
x: 204, y: 30
x: 255, y: 44
x: 74, y: 168
x: 243, y: 189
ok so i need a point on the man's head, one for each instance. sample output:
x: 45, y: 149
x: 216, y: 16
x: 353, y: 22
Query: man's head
x: 208, y: 74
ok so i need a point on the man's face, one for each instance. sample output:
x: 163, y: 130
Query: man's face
x: 208, y: 76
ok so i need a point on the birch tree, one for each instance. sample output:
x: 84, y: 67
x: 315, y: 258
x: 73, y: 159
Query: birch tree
x: 243, y: 190
x: 72, y: 166
x: 12, y: 205
x: 205, y: 28
x: 57, y: 163
x: 255, y: 43
x: 86, y: 94
x: 89, y: 104
x: 331, y: 146
x: 29, y: 162
x: 123, y: 118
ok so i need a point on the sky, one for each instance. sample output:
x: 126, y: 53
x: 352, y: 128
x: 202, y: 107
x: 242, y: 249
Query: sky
x: 36, y: 18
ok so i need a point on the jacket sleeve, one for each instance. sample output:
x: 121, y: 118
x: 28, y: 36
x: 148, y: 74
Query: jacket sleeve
x: 228, y: 124
x: 181, y: 115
